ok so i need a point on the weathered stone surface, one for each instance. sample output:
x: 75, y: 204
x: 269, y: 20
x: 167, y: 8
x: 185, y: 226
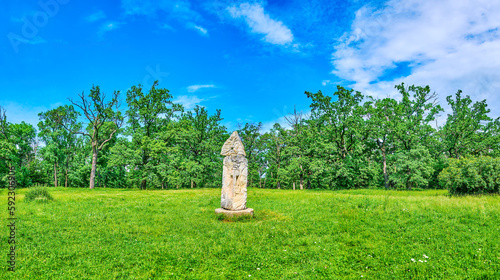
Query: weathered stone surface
x: 234, y: 174
x: 235, y: 213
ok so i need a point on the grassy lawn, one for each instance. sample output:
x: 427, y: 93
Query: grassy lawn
x: 175, y: 234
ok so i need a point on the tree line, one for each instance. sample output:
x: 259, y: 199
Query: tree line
x: 348, y: 140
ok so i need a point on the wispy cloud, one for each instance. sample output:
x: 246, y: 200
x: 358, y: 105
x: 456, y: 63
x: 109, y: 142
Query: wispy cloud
x: 96, y: 16
x: 188, y: 102
x: 108, y: 26
x: 180, y: 9
x: 448, y: 45
x: 274, y: 31
x: 195, y: 88
x: 167, y: 26
x: 201, y: 30
x: 34, y: 41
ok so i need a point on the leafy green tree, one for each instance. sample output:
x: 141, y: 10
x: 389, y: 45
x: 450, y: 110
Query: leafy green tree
x: 341, y: 119
x: 412, y: 168
x: 148, y: 115
x: 254, y: 147
x: 412, y: 131
x: 22, y: 139
x: 201, y: 137
x: 274, y: 157
x: 59, y: 142
x: 104, y: 121
x: 381, y: 121
x: 7, y: 148
x: 466, y: 129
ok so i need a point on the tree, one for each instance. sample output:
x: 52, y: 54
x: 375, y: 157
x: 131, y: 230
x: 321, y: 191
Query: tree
x: 274, y: 157
x: 412, y: 130
x: 342, y: 133
x: 342, y: 119
x: 148, y: 115
x: 59, y: 142
x: 23, y: 137
x: 254, y: 148
x: 7, y: 149
x: 466, y: 127
x: 381, y: 121
x: 201, y: 137
x: 104, y: 120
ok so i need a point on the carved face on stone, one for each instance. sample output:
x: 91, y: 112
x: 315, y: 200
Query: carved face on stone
x: 233, y: 146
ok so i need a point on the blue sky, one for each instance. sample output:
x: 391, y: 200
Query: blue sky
x: 251, y: 59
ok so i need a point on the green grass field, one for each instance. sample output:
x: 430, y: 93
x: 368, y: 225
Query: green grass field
x: 175, y: 234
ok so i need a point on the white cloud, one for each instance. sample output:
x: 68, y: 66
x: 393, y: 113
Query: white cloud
x: 260, y: 22
x: 194, y: 88
x: 325, y: 82
x: 447, y: 44
x: 95, y: 16
x: 267, y: 126
x: 108, y: 26
x: 189, y: 102
x: 201, y: 30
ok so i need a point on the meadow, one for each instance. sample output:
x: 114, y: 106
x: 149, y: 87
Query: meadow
x: 310, y: 234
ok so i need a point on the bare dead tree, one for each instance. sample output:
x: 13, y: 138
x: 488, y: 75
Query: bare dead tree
x: 104, y: 119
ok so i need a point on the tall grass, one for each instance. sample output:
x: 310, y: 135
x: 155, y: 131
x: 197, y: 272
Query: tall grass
x: 175, y: 234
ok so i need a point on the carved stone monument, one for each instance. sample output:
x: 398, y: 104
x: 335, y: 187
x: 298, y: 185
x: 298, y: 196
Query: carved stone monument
x: 234, y: 178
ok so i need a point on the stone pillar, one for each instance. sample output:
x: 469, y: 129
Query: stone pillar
x: 234, y: 178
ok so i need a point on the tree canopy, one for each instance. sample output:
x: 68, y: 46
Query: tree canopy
x: 348, y: 140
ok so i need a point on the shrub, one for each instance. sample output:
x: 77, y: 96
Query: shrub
x: 471, y: 175
x: 38, y: 194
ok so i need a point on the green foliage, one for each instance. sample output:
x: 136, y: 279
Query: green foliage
x: 412, y: 168
x: 347, y: 141
x: 467, y: 128
x: 38, y: 194
x: 472, y: 175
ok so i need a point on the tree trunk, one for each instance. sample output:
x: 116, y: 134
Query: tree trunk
x: 66, y: 179
x: 55, y: 174
x: 260, y: 182
x: 294, y: 185
x: 143, y: 184
x: 279, y: 186
x: 192, y: 183
x: 386, y: 177
x: 94, y: 167
x: 66, y: 173
x: 301, y: 182
x: 409, y: 184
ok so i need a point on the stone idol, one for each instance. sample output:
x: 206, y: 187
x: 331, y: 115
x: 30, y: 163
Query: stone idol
x: 234, y: 178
